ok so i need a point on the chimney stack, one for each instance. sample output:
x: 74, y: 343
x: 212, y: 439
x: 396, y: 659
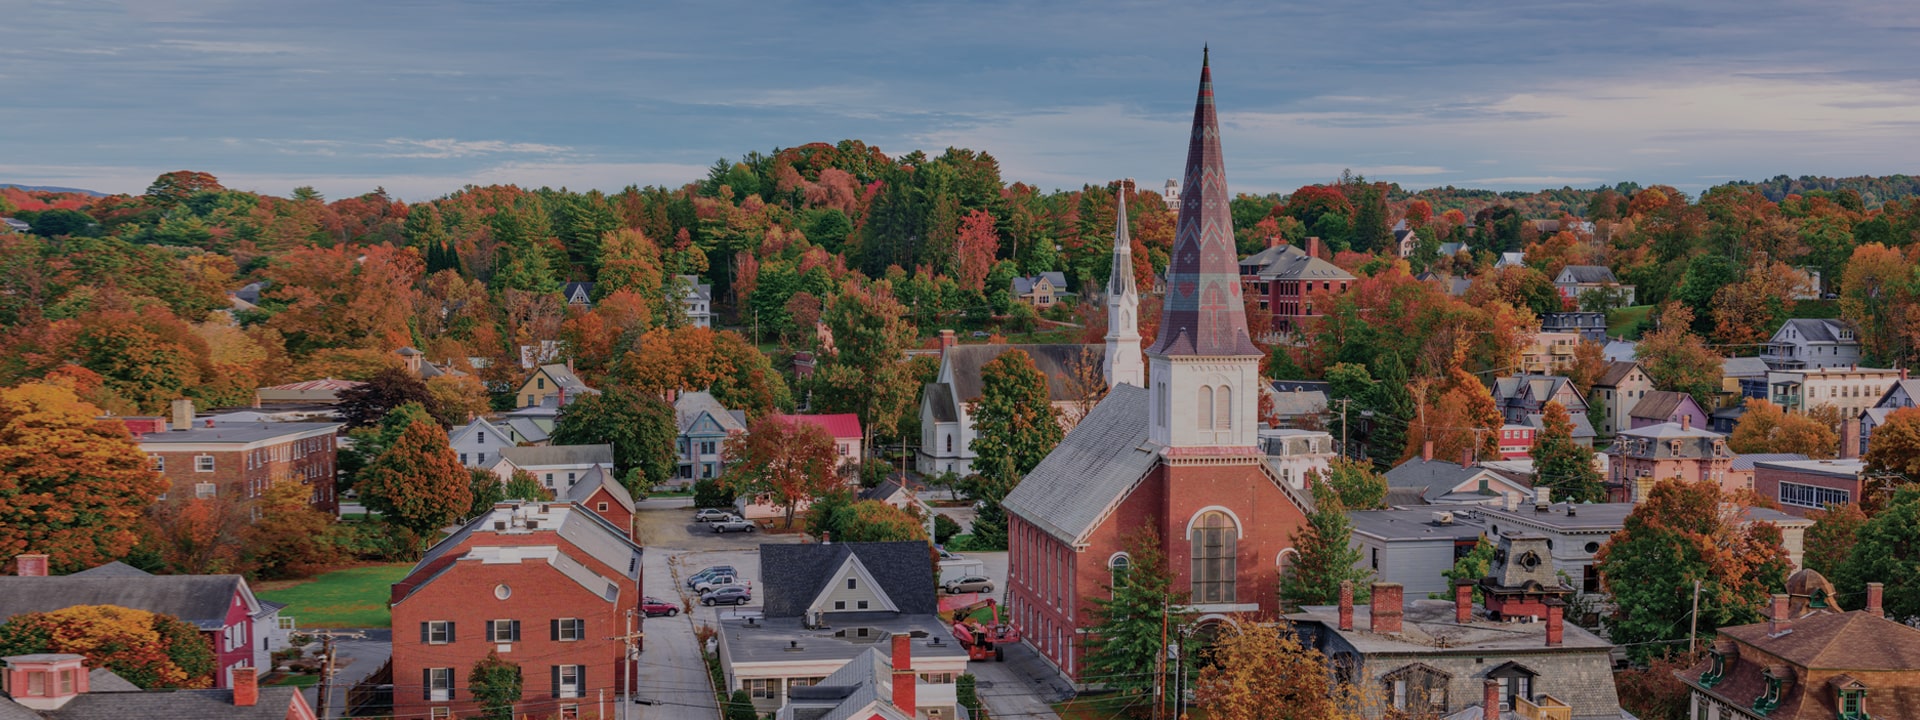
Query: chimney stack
x: 1850, y: 438
x: 1463, y: 601
x: 183, y: 414
x: 1426, y: 451
x: 1466, y: 457
x: 1386, y: 610
x: 1777, y: 621
x: 1490, y: 699
x: 35, y: 565
x: 246, y: 687
x: 1686, y: 421
x: 1313, y: 246
x: 905, y: 695
x: 947, y: 340
x: 1346, y: 605
x: 1875, y: 591
x: 1556, y: 621
x: 1542, y: 499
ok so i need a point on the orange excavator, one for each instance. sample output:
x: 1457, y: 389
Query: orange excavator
x: 987, y: 640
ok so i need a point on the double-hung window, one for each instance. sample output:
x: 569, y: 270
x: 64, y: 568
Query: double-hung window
x: 569, y: 629
x: 569, y: 681
x: 436, y: 632
x: 503, y: 631
x: 203, y: 463
x: 438, y: 683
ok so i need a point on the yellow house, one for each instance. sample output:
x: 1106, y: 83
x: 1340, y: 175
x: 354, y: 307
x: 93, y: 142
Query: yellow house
x: 555, y: 383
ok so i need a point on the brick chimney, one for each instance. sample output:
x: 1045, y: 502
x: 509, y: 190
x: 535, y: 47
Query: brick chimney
x: 1778, y: 623
x: 1466, y: 457
x: 1463, y: 601
x: 1346, y: 604
x: 246, y: 687
x: 1556, y: 621
x: 1313, y: 247
x: 30, y: 565
x: 1386, y: 609
x: 1490, y: 699
x: 947, y: 340
x: 1686, y: 421
x: 1426, y: 451
x: 1875, y: 591
x: 183, y: 414
x: 1850, y: 438
x: 904, y: 691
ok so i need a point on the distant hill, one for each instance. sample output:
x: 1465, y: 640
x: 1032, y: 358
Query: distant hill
x: 53, y: 189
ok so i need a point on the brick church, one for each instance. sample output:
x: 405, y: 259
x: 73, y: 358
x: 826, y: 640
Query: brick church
x: 1173, y: 447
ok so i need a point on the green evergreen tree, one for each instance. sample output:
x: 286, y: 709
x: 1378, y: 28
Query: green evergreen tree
x: 1885, y: 552
x: 1125, y: 644
x: 1325, y: 560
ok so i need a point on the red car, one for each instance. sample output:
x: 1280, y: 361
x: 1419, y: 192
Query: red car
x: 655, y: 607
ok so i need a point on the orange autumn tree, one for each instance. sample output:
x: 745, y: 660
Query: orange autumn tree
x: 1458, y: 416
x: 148, y: 649
x: 786, y: 460
x: 71, y: 486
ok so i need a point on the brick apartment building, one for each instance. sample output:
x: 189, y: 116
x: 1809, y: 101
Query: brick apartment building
x: 1284, y: 277
x: 1803, y: 486
x: 239, y: 460
x: 1643, y: 456
x: 546, y: 585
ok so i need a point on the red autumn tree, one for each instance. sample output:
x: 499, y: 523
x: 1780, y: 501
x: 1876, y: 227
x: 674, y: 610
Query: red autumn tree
x: 418, y: 483
x: 783, y: 460
x: 975, y: 250
x: 289, y: 540
x: 199, y: 536
x: 71, y: 486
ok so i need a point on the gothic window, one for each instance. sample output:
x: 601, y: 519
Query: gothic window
x: 1206, y: 407
x: 1213, y: 539
x: 1223, y: 408
x: 1119, y: 565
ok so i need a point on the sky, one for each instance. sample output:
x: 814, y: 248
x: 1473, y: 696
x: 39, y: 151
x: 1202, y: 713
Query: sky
x: 422, y: 97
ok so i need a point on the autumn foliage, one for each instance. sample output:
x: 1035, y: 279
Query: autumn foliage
x: 147, y: 649
x: 71, y: 485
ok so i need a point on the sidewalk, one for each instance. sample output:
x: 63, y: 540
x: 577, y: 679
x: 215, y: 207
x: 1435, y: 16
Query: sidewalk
x: 1024, y: 686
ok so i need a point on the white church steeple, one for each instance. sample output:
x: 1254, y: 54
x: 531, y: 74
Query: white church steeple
x: 1123, y: 362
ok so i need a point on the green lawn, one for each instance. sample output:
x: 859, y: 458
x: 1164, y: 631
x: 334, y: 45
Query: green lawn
x: 1622, y: 320
x: 1823, y: 309
x: 296, y: 680
x: 350, y: 598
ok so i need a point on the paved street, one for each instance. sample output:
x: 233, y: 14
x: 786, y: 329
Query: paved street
x: 354, y: 660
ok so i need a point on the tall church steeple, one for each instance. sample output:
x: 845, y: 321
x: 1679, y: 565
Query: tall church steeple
x: 1205, y: 368
x: 1124, y: 364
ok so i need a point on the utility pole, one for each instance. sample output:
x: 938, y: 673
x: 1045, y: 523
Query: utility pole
x: 1693, y: 632
x: 327, y: 667
x: 1160, y: 666
x: 1343, y: 427
x: 631, y: 673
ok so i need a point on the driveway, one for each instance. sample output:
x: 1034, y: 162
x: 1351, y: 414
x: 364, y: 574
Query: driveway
x: 353, y: 659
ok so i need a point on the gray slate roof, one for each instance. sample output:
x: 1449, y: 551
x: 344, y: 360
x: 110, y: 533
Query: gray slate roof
x: 793, y: 575
x: 175, y: 705
x: 1054, y: 361
x: 103, y: 680
x: 592, y: 481
x: 198, y: 599
x: 1588, y: 274
x: 939, y: 397
x: 1286, y: 262
x: 1745, y: 462
x: 1024, y: 285
x: 1427, y: 479
x: 235, y: 432
x: 1659, y: 405
x: 1816, y: 330
x: 690, y: 405
x: 559, y: 455
x: 1743, y: 367
x: 112, y: 569
x: 1097, y: 463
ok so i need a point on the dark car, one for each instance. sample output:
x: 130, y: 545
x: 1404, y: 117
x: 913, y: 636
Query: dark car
x: 734, y: 523
x: 728, y: 595
x: 655, y: 607
x: 707, y: 573
x: 711, y: 514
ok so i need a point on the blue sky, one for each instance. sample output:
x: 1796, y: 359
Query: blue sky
x: 424, y: 96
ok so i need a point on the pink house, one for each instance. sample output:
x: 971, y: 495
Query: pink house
x: 1516, y: 441
x: 1665, y: 406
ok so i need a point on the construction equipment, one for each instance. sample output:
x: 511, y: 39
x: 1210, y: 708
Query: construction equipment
x: 984, y: 640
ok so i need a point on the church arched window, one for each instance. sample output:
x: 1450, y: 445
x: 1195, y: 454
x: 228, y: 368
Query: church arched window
x: 1223, y: 407
x: 1206, y: 407
x: 1214, y: 539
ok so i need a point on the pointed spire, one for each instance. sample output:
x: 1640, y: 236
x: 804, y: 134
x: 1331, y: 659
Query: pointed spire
x: 1120, y: 281
x: 1203, y: 312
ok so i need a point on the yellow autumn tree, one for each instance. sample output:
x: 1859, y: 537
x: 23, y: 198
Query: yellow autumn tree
x: 1260, y: 671
x: 148, y: 649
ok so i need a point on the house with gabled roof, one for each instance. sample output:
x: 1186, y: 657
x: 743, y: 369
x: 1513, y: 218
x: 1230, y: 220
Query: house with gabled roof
x: 946, y: 404
x: 1041, y: 291
x: 1665, y: 406
x: 1523, y: 400
x: 1575, y: 280
x: 552, y: 381
x: 557, y: 467
x: 600, y: 493
x: 60, y: 686
x: 873, y: 687
x: 696, y: 300
x: 1810, y: 344
x: 1284, y: 278
x: 578, y: 294
x: 1181, y: 457
x: 1617, y: 390
x: 1428, y: 480
x: 825, y: 605
x: 1903, y: 393
x: 479, y: 442
x: 704, y: 426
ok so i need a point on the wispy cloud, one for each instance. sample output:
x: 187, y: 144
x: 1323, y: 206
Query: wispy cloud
x: 451, y: 148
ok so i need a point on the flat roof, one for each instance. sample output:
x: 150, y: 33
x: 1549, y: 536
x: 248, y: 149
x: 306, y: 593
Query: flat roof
x: 1428, y: 627
x: 1835, y: 468
x: 236, y: 432
x: 1413, y: 524
x: 784, y: 639
x: 1586, y: 516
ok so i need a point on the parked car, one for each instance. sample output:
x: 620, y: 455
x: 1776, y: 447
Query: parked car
x: 727, y: 595
x: 944, y: 555
x: 708, y: 572
x: 969, y: 584
x: 716, y: 581
x: 655, y: 607
x: 711, y: 514
x: 734, y: 523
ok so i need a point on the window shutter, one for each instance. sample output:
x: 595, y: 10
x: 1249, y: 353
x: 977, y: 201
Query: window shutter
x: 580, y: 680
x: 514, y: 631
x: 426, y: 682
x: 450, y: 635
x: 424, y: 639
x: 554, y: 626
x: 556, y: 681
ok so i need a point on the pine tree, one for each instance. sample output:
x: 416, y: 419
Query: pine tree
x: 1325, y: 559
x: 1125, y: 645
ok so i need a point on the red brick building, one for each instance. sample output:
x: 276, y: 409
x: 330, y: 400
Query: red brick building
x: 1802, y: 486
x: 547, y: 586
x: 1181, y: 458
x: 1284, y: 279
x: 240, y: 460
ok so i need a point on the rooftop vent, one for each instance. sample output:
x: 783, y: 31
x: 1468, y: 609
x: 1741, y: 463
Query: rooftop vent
x: 1443, y: 518
x: 793, y: 646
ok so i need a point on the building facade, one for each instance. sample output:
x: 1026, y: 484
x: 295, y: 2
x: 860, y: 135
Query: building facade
x: 1576, y: 280
x: 552, y: 382
x: 1074, y: 375
x: 1851, y: 390
x: 1588, y: 325
x: 1900, y: 395
x: 556, y: 467
x: 1811, y: 344
x: 1041, y: 291
x: 1803, y: 486
x: 239, y: 460
x: 546, y: 585
x: 1284, y: 278
x: 704, y: 426
x: 1618, y: 389
x: 479, y: 442
x: 1641, y: 457
x: 1181, y: 457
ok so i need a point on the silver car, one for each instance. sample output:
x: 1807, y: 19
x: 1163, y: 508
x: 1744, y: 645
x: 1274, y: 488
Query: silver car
x: 734, y: 523
x: 969, y: 584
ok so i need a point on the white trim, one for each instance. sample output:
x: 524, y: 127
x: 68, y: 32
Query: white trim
x: 852, y: 564
x: 1118, y: 555
x: 1219, y: 611
x: 1239, y: 528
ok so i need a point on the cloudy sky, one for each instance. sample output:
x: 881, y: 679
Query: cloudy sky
x: 424, y: 96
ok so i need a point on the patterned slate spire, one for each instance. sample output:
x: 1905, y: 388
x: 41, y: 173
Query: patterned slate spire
x: 1120, y: 282
x: 1204, y: 313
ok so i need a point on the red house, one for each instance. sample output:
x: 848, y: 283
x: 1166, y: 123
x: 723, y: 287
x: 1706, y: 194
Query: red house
x: 547, y: 586
x: 1180, y: 458
x: 602, y: 494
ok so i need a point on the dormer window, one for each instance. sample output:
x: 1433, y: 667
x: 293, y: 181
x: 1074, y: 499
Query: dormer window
x: 1853, y: 704
x: 1717, y: 671
x: 1776, y: 678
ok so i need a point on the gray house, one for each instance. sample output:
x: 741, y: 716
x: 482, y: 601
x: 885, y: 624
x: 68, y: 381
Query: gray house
x: 705, y: 425
x: 1575, y: 280
x: 1810, y: 344
x: 1413, y: 546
